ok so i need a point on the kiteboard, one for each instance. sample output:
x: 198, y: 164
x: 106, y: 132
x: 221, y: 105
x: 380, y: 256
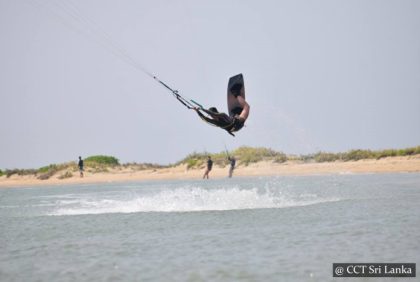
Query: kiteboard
x: 236, y: 88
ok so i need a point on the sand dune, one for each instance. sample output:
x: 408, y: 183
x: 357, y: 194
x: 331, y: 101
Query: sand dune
x: 385, y: 165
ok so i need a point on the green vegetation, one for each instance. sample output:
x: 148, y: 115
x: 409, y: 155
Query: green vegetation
x: 93, y: 164
x: 102, y: 160
x: 322, y: 157
x: 355, y: 155
x: 46, y: 172
x: 67, y: 174
x: 199, y: 160
x: 100, y: 163
x: 244, y: 156
x: 248, y: 155
x: 141, y: 166
x: 20, y: 172
x: 195, y: 160
x: 280, y: 158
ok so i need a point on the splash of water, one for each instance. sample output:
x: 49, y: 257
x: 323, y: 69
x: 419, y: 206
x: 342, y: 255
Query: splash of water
x: 186, y: 200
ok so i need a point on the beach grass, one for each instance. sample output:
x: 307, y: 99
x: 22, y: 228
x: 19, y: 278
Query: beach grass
x: 247, y: 155
x: 244, y: 155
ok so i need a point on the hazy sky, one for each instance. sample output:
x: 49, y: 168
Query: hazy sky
x: 319, y: 75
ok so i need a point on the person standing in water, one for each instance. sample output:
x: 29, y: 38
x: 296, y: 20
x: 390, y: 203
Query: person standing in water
x: 80, y: 164
x: 232, y: 165
x: 209, y: 167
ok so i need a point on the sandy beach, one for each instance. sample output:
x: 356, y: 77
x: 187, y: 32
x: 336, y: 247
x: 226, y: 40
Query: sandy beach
x: 265, y: 168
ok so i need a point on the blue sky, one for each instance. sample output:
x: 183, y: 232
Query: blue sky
x: 319, y: 75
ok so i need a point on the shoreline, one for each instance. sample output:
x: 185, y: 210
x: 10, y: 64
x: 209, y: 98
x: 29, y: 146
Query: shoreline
x: 410, y: 164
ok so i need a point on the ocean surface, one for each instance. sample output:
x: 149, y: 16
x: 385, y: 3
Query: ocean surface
x: 241, y: 229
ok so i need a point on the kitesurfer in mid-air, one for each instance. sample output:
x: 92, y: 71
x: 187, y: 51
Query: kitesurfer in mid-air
x: 231, y: 123
x: 238, y: 108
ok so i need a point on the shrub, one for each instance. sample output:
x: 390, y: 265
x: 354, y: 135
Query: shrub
x: 401, y: 152
x: 249, y: 155
x: 20, y: 172
x: 306, y: 158
x: 280, y: 158
x: 10, y: 172
x: 191, y: 163
x: 355, y: 155
x: 409, y: 151
x: 46, y: 175
x: 220, y: 159
x: 193, y: 160
x: 99, y: 169
x: 1, y: 173
x: 48, y: 168
x: 104, y: 160
x: 321, y: 157
x: 47, y: 171
x: 387, y: 153
x: 67, y: 174
x: 141, y: 166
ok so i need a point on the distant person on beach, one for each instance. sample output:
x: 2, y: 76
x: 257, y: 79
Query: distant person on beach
x: 232, y: 165
x: 209, y: 167
x: 80, y: 166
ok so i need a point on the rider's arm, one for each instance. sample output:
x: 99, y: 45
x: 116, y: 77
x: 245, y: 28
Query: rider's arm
x: 245, y: 108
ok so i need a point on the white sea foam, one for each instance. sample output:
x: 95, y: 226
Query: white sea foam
x: 186, y: 200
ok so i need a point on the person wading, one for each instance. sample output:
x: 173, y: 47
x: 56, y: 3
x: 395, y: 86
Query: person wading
x: 209, y: 167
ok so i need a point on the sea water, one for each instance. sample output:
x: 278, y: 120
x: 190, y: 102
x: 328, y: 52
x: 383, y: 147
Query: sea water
x: 288, y: 228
